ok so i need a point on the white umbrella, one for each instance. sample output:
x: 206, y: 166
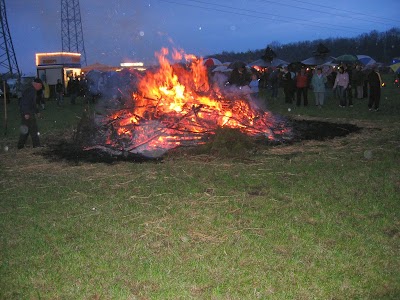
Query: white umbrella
x: 366, y: 60
x: 260, y: 63
x: 318, y: 60
x: 263, y: 63
x: 221, y: 69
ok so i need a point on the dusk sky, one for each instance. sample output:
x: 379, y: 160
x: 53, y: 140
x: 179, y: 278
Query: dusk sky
x: 133, y: 30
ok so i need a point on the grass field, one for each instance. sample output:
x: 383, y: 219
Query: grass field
x: 312, y: 220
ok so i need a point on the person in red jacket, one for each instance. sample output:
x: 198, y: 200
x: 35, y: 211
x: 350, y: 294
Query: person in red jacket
x: 302, y: 83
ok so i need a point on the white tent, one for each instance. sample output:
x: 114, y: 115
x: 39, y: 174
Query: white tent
x: 263, y: 63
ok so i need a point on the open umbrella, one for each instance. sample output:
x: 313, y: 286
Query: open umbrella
x: 263, y: 63
x: 346, y: 59
x: 366, y: 60
x: 221, y: 68
x: 277, y: 61
x: 318, y: 60
x: 237, y: 64
x: 395, y: 67
x: 211, y: 62
x: 260, y: 63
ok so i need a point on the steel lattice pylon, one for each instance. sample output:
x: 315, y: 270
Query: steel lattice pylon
x: 71, y: 28
x: 8, y: 61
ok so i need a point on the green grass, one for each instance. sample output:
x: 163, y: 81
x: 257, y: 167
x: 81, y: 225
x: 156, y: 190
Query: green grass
x: 313, y: 220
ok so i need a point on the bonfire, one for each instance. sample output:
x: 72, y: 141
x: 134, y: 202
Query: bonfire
x: 176, y: 105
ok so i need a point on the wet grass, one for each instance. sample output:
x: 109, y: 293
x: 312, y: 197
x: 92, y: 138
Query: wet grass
x: 312, y: 220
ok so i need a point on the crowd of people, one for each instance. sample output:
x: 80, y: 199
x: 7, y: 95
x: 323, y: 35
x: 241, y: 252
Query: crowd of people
x: 344, y: 82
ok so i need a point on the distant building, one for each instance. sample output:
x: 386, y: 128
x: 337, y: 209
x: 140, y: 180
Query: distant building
x: 134, y: 65
x: 57, y: 65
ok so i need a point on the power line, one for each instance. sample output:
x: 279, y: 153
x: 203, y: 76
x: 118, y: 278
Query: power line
x: 285, y: 20
x: 349, y: 11
x: 325, y: 12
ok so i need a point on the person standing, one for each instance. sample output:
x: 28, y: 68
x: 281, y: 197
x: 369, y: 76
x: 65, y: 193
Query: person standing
x: 39, y: 95
x: 73, y: 89
x: 59, y: 92
x: 375, y: 84
x: 239, y: 76
x: 318, y: 82
x: 288, y: 86
x: 341, y: 84
x: 302, y: 87
x: 28, y: 110
x: 254, y: 85
x: 255, y: 101
x: 349, y: 90
x: 273, y: 82
x: 358, y: 81
x: 46, y: 92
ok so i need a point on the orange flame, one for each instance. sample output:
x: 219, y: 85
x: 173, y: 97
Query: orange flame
x: 176, y: 105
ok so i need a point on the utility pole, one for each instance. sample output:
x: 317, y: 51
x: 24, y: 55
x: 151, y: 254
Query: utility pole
x: 71, y: 28
x: 8, y: 61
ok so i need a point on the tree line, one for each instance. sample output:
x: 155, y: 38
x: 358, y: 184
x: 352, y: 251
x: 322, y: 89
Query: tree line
x: 381, y: 46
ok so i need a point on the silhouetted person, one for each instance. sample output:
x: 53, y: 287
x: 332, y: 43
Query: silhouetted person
x: 239, y: 77
x: 288, y: 85
x: 28, y: 110
x: 375, y: 84
x: 59, y: 92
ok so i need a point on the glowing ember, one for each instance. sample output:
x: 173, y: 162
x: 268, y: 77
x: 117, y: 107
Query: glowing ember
x: 177, y: 106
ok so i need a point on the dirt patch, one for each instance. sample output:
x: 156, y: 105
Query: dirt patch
x: 226, y: 142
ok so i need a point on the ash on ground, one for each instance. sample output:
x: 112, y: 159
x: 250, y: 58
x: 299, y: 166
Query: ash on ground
x: 85, y: 145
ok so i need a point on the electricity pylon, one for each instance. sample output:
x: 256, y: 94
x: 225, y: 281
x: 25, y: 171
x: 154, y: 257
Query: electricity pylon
x: 8, y: 61
x: 71, y: 28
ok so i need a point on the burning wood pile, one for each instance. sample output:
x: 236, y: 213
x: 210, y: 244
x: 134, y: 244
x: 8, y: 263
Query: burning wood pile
x: 176, y: 105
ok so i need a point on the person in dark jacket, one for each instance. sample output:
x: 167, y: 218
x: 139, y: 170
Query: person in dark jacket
x: 28, y: 110
x: 375, y: 84
x: 73, y: 89
x: 59, y: 92
x: 358, y: 81
x: 239, y: 77
x: 39, y: 95
x: 273, y: 82
x: 288, y: 85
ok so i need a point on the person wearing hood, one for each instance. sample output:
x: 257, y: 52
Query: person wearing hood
x: 28, y: 110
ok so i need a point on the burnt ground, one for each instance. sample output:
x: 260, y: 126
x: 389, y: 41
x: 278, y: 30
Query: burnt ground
x: 302, y: 130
